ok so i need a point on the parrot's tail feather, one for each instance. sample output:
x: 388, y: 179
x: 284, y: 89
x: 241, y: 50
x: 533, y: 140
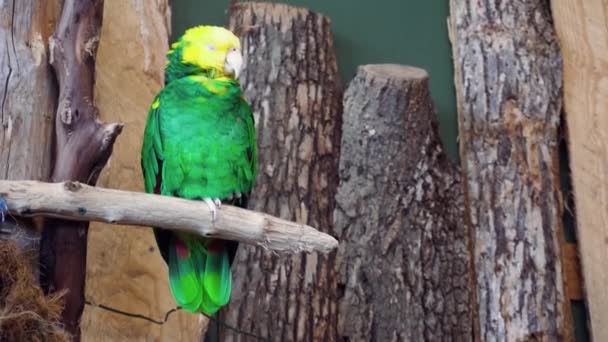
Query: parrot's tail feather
x: 199, y: 274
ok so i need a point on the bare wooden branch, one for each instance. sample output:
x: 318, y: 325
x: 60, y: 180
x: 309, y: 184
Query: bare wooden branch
x: 76, y: 201
x: 82, y: 147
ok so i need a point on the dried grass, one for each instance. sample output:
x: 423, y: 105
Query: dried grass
x: 26, y: 314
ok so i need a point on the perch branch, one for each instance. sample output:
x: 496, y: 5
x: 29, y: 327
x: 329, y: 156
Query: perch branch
x: 77, y: 201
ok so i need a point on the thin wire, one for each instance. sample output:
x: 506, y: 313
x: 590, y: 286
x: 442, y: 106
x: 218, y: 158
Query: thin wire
x: 133, y: 315
x: 168, y: 313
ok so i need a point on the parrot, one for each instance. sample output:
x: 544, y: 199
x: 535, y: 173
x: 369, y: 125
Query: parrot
x: 199, y: 144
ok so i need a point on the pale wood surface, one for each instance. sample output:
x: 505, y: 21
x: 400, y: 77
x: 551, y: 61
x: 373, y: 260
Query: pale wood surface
x: 124, y: 267
x: 508, y: 80
x: 28, y: 96
x: 582, y: 27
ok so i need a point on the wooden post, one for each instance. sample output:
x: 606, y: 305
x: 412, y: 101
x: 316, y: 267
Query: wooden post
x: 291, y: 79
x: 581, y: 26
x: 82, y: 147
x: 27, y: 104
x: 509, y: 80
x: 403, y: 255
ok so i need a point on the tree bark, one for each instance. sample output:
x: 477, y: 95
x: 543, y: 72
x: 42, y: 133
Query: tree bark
x: 27, y: 103
x: 508, y: 75
x: 403, y: 255
x: 79, y: 202
x: 291, y: 81
x: 82, y: 147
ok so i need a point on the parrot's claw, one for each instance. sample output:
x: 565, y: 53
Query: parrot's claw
x: 237, y: 195
x: 213, y: 204
x: 3, y: 210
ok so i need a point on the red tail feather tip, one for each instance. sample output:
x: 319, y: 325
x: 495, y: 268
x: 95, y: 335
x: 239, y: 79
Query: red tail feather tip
x: 214, y: 246
x: 181, y: 249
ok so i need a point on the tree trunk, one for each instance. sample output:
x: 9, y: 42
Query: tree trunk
x: 291, y: 80
x: 403, y: 255
x: 508, y: 79
x: 82, y: 147
x: 28, y: 96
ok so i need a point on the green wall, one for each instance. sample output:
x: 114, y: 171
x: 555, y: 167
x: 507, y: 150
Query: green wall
x: 382, y: 31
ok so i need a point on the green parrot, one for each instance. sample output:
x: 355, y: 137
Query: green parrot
x: 199, y: 144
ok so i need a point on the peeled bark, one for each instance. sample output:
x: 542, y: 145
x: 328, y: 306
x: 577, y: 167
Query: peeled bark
x: 28, y: 96
x: 508, y: 74
x: 403, y: 255
x: 82, y: 147
x: 291, y: 81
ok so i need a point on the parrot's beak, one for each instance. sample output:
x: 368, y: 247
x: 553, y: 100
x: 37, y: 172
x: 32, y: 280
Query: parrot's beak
x: 233, y: 63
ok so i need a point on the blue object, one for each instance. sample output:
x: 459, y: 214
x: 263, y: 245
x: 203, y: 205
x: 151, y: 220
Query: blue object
x: 3, y: 209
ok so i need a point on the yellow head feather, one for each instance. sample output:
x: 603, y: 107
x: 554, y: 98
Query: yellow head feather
x: 207, y: 47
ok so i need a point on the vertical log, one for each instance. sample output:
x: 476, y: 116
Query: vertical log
x: 509, y: 80
x: 404, y: 255
x: 82, y: 147
x: 137, y: 31
x: 291, y: 80
x: 27, y: 102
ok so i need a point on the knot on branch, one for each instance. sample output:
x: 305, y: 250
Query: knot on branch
x: 65, y: 113
x: 90, y: 46
x: 109, y: 133
x: 72, y: 186
x: 54, y: 45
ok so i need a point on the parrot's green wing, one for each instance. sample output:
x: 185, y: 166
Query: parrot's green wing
x: 152, y: 149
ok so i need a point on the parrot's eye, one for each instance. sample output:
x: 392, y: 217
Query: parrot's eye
x: 210, y: 47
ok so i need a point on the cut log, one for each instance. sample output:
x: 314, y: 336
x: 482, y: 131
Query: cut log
x: 404, y: 255
x: 291, y: 80
x: 509, y: 80
x: 79, y: 202
x: 82, y: 147
x: 27, y: 103
x: 582, y: 29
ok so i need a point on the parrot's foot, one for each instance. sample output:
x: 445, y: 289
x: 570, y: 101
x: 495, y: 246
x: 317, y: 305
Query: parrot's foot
x: 234, y: 195
x: 3, y: 210
x: 213, y: 204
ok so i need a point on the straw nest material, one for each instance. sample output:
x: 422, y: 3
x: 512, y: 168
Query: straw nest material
x: 26, y: 314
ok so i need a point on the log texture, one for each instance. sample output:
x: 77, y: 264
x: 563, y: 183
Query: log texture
x: 582, y: 29
x: 28, y: 96
x: 291, y: 80
x: 129, y: 72
x: 404, y: 255
x: 82, y: 147
x: 79, y: 202
x: 509, y: 80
